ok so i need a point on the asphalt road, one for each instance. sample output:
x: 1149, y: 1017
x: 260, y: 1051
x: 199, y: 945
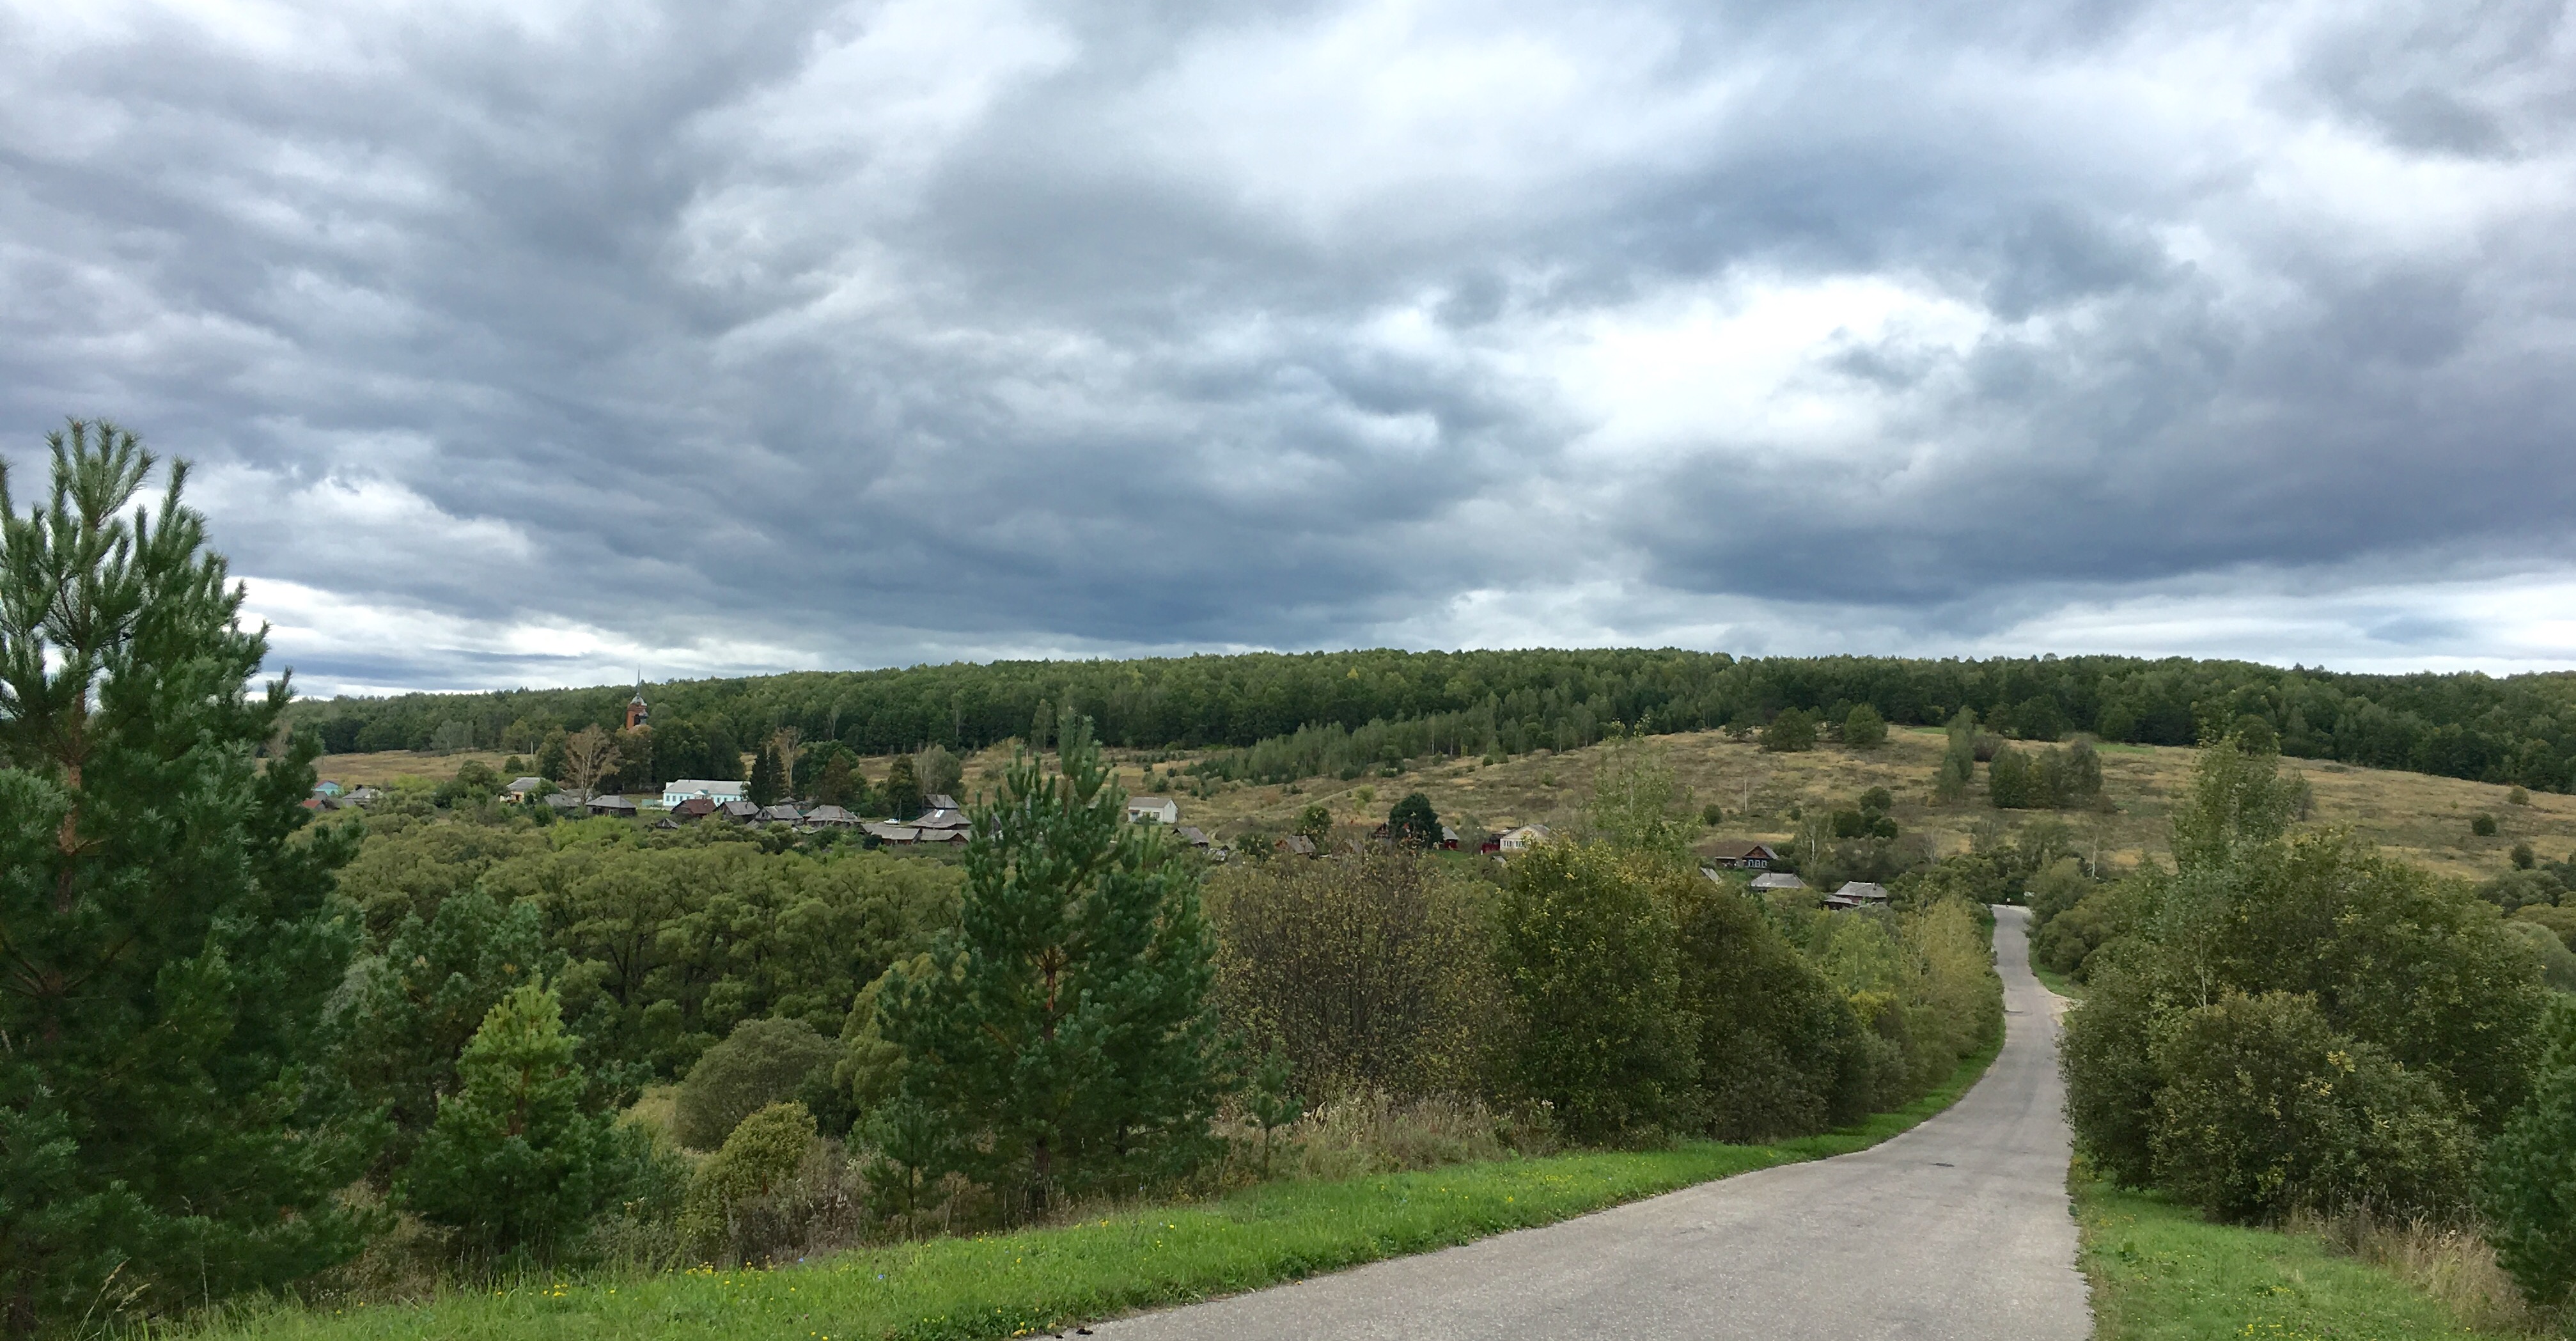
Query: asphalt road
x: 1958, y: 1228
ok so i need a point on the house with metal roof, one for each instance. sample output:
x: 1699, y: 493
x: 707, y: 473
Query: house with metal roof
x: 717, y: 790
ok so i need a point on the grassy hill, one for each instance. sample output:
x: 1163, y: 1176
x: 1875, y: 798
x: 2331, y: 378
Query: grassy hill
x: 2423, y: 818
x: 2420, y: 817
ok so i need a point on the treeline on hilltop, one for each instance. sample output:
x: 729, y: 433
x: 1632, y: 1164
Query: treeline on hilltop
x: 1281, y: 716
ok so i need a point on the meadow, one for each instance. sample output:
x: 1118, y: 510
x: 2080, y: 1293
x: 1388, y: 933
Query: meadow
x: 2415, y: 816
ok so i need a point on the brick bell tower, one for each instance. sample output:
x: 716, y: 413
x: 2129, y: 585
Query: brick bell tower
x: 636, y: 712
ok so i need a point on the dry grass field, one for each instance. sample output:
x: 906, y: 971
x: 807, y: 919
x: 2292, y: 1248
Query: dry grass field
x: 2425, y: 819
x: 375, y: 770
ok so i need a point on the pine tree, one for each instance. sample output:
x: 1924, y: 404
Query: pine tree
x: 410, y: 1012
x: 167, y: 1132
x: 902, y: 790
x: 765, y: 786
x: 1070, y: 1040
x: 515, y: 1162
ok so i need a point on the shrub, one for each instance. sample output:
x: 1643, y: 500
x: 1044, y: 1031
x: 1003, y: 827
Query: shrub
x: 1774, y: 1036
x: 1790, y: 732
x: 2517, y: 797
x: 2530, y: 1200
x: 2070, y: 938
x: 2557, y: 962
x: 1587, y: 960
x: 2561, y: 920
x: 1711, y: 815
x: 1369, y: 971
x: 1864, y: 729
x: 762, y: 1062
x: 764, y: 1150
x: 514, y: 1163
x: 2522, y: 857
x: 2482, y: 824
x: 2264, y: 1108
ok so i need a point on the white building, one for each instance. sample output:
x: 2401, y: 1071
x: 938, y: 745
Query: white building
x: 1153, y: 810
x: 1524, y: 837
x: 687, y: 789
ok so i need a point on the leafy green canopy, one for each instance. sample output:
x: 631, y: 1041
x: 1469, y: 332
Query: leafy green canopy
x: 166, y: 940
x: 1066, y: 1038
x: 2390, y: 962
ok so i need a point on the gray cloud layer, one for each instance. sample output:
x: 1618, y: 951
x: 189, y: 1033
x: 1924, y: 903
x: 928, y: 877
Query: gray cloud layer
x: 520, y: 342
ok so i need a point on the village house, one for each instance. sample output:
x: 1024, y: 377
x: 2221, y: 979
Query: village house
x: 1153, y: 810
x: 694, y: 808
x: 1523, y: 838
x: 619, y: 806
x: 1743, y: 856
x: 1856, y: 894
x: 520, y: 789
x: 944, y: 817
x: 712, y: 789
x: 326, y: 787
x: 1771, y: 880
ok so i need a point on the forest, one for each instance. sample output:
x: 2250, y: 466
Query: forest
x: 1275, y: 717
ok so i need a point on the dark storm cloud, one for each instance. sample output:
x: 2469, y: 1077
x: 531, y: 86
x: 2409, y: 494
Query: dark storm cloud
x: 518, y: 342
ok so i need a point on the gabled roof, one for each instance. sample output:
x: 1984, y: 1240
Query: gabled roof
x: 943, y: 801
x: 1299, y: 844
x: 1148, y: 802
x: 1740, y: 851
x: 1191, y: 835
x: 784, y: 811
x: 739, y: 810
x: 523, y: 786
x: 563, y: 800
x: 711, y: 786
x: 942, y: 817
x: 696, y: 807
x: 830, y: 815
x: 1778, y: 880
x: 612, y: 804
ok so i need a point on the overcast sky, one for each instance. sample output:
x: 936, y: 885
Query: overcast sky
x: 526, y: 343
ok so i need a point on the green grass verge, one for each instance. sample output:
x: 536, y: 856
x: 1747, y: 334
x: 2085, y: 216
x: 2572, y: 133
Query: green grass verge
x: 2058, y: 982
x: 1035, y: 1280
x: 2162, y: 1273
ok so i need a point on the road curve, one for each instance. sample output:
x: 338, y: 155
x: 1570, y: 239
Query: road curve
x: 1958, y: 1228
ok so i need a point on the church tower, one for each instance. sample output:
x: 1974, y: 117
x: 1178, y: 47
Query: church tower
x: 636, y: 712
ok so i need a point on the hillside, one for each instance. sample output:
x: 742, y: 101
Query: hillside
x: 2421, y: 817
